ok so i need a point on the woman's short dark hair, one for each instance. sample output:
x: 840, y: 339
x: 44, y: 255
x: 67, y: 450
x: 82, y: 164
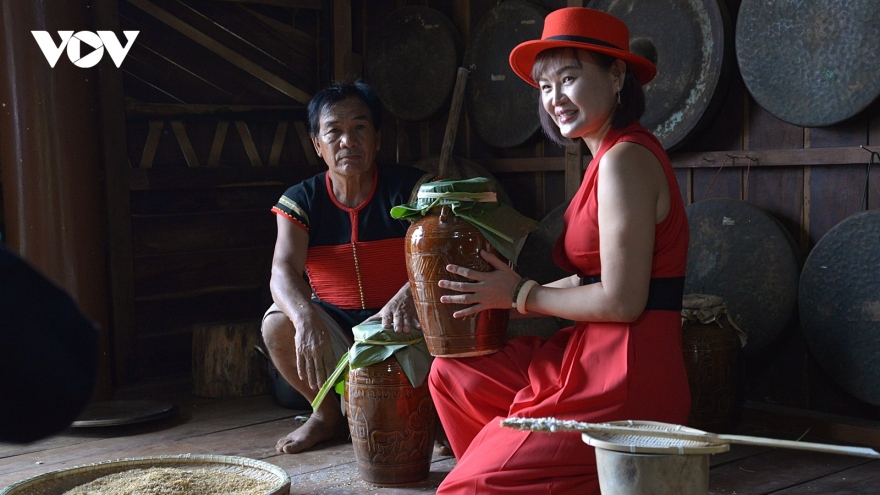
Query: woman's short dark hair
x: 337, y: 92
x: 632, y: 97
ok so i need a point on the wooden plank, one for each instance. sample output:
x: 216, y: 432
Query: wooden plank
x: 117, y: 169
x: 217, y: 143
x: 845, y: 429
x: 186, y: 146
x: 216, y: 200
x: 290, y: 4
x: 177, y: 313
x: 191, y: 410
x: 308, y: 148
x: 835, y: 194
x: 152, y: 143
x: 341, y: 39
x: 192, y: 232
x: 229, y: 55
x: 137, y: 109
x: 248, y: 142
x: 182, y: 179
x: 194, y: 273
x: 777, y: 469
x: 159, y: 438
x: 278, y: 143
x: 846, y: 155
x: 860, y: 479
x: 724, y: 182
x: 537, y: 164
x: 779, y: 192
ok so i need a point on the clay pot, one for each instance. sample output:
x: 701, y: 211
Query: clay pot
x: 392, y: 424
x: 432, y: 242
x: 711, y: 353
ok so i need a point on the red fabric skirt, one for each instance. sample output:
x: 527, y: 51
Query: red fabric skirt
x: 592, y: 372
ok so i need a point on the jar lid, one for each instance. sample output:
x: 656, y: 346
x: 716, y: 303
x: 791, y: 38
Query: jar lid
x: 474, y: 200
x: 707, y: 308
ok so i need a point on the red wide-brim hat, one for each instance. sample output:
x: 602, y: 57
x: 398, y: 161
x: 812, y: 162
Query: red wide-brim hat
x: 578, y: 27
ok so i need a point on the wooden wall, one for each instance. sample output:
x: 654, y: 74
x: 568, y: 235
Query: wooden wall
x: 215, y: 132
x: 213, y: 97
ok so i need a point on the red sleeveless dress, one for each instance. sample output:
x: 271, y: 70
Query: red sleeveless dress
x: 592, y: 372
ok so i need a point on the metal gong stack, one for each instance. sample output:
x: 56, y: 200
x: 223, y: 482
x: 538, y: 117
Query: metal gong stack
x: 741, y: 253
x: 810, y: 63
x: 690, y: 42
x: 839, y: 304
x: 502, y: 107
x: 412, y: 62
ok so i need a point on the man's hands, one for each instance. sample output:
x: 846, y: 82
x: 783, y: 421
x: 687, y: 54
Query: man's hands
x: 399, y: 313
x: 314, y: 354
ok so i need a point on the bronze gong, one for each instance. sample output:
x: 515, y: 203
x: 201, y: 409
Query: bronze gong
x: 742, y: 254
x: 690, y: 42
x: 412, y: 61
x: 810, y: 63
x: 839, y: 304
x: 503, y: 108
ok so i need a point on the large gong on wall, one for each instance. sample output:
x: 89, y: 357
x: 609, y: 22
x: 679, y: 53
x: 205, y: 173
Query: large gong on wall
x: 413, y: 60
x: 690, y: 43
x: 741, y: 253
x: 503, y: 108
x: 810, y: 63
x: 839, y: 304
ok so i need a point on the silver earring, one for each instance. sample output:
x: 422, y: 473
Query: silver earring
x: 618, y: 97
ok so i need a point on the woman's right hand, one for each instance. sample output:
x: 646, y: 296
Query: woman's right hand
x: 489, y: 290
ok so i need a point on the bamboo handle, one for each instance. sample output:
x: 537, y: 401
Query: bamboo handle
x: 446, y: 160
x: 797, y: 445
x: 551, y: 425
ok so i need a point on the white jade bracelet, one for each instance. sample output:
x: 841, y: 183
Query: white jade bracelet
x: 523, y: 295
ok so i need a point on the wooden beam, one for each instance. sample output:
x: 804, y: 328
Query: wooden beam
x: 117, y: 169
x: 230, y: 55
x: 172, y: 110
x: 290, y: 4
x: 217, y: 144
x: 537, y: 164
x: 851, y: 155
x: 185, y: 145
x: 152, y: 143
x: 249, y: 146
x: 341, y: 38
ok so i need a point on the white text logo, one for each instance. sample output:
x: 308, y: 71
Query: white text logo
x: 96, y: 41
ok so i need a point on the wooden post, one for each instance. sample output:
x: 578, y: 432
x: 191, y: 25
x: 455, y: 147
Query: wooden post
x: 50, y: 152
x: 225, y: 363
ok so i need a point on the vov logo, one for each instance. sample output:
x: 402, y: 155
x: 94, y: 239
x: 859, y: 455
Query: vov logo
x: 73, y: 42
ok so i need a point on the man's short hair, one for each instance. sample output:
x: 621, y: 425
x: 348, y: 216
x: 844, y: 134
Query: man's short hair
x: 337, y: 92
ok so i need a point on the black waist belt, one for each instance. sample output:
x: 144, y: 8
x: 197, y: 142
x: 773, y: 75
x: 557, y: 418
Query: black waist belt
x: 663, y: 293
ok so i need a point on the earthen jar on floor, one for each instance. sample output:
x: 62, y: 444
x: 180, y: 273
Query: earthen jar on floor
x: 432, y: 242
x: 711, y: 345
x: 392, y: 424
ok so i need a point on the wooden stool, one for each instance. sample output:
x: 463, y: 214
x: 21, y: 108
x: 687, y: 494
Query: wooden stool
x: 225, y: 363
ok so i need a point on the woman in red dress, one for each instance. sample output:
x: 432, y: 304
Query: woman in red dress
x: 625, y: 237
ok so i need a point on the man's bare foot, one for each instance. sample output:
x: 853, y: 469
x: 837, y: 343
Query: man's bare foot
x: 314, y: 430
x: 441, y: 442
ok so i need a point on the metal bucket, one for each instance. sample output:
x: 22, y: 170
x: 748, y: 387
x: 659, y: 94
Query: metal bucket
x: 623, y: 473
x: 637, y: 464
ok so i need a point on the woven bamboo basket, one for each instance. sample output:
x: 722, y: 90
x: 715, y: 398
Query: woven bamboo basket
x: 60, y: 481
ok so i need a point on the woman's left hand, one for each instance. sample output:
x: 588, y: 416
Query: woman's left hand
x: 488, y: 290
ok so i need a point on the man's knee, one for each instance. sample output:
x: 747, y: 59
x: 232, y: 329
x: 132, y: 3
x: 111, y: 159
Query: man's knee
x: 274, y: 326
